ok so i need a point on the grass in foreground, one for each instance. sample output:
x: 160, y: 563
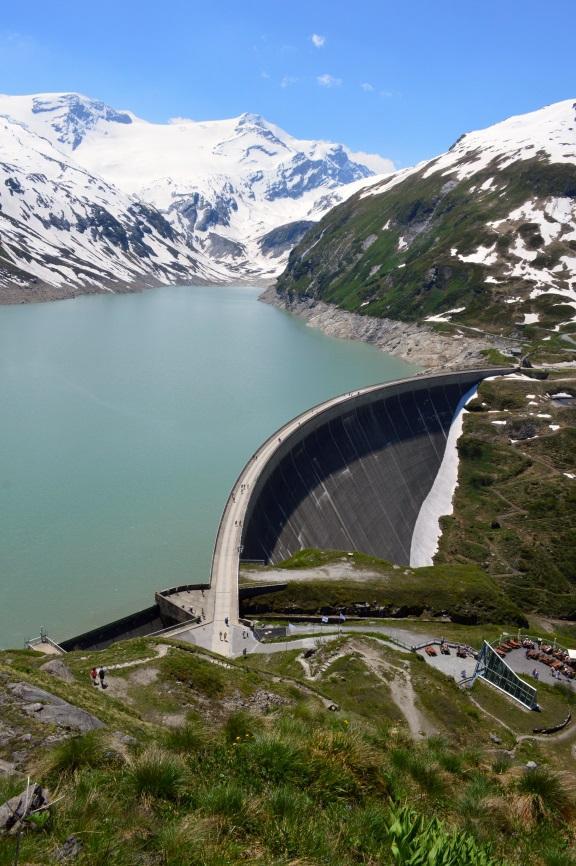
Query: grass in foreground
x: 302, y: 788
x: 297, y: 783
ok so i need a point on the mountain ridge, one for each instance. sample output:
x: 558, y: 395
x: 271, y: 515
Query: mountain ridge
x: 481, y: 237
x: 221, y: 186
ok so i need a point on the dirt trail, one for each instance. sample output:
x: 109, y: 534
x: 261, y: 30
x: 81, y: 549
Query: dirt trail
x: 313, y: 671
x: 395, y: 676
x: 118, y: 687
x: 400, y: 686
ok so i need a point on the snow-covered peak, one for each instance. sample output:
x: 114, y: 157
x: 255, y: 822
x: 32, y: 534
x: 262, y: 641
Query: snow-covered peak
x: 225, y: 184
x: 63, y: 118
x: 549, y: 132
x: 139, y: 156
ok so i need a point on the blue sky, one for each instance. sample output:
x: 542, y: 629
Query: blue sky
x: 403, y: 79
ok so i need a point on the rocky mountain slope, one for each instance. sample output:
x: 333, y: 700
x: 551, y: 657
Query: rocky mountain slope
x: 483, y: 236
x: 83, y: 186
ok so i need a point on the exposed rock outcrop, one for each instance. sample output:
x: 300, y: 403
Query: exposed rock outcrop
x: 412, y: 342
x: 49, y: 708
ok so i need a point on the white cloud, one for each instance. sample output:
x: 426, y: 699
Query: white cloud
x: 288, y: 81
x: 327, y: 80
x: 367, y: 87
x: 317, y: 40
x: 379, y: 164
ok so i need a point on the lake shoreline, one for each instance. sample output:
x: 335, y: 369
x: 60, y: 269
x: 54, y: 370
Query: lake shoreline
x: 126, y: 421
x: 409, y: 341
x: 43, y: 293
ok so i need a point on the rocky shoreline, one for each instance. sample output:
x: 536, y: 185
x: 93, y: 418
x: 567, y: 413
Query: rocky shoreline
x: 414, y: 343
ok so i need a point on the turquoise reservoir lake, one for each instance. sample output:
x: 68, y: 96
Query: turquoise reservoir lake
x: 124, y: 421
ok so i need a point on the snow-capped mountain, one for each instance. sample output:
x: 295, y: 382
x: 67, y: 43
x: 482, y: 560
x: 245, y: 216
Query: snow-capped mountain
x: 64, y: 230
x: 235, y: 194
x: 483, y: 235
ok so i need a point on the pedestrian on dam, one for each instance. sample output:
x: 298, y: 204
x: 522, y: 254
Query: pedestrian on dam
x: 102, y: 674
x: 94, y: 676
x: 225, y: 635
x: 220, y: 633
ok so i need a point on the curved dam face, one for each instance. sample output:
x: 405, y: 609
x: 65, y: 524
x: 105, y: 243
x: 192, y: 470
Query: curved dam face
x: 354, y: 476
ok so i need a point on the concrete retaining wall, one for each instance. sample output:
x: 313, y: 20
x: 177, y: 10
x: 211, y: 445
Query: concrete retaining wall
x: 137, y: 624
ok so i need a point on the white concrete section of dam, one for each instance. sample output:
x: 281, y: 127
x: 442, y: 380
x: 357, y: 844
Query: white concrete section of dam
x: 439, y: 502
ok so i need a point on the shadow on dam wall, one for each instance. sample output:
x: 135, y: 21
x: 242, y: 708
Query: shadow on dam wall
x: 355, y: 476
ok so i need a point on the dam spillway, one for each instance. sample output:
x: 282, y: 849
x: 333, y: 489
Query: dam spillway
x: 354, y: 474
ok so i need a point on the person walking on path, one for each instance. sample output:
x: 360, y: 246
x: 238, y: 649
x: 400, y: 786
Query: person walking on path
x: 102, y: 674
x: 94, y: 677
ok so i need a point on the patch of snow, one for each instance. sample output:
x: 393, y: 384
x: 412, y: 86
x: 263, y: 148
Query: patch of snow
x: 482, y: 256
x: 439, y: 500
x: 543, y: 415
x: 444, y: 317
x: 569, y: 475
x: 500, y: 423
x: 402, y: 245
x: 401, y: 266
x: 554, y: 426
x: 529, y: 319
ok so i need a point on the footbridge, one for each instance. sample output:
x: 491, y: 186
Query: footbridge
x: 349, y: 474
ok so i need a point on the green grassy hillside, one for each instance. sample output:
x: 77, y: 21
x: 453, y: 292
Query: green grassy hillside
x: 206, y: 763
x: 397, y: 254
x: 515, y: 504
x: 464, y: 593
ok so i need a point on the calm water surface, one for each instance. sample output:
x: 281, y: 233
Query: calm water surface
x: 124, y: 421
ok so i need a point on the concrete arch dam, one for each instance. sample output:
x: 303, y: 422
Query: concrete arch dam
x: 353, y: 473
